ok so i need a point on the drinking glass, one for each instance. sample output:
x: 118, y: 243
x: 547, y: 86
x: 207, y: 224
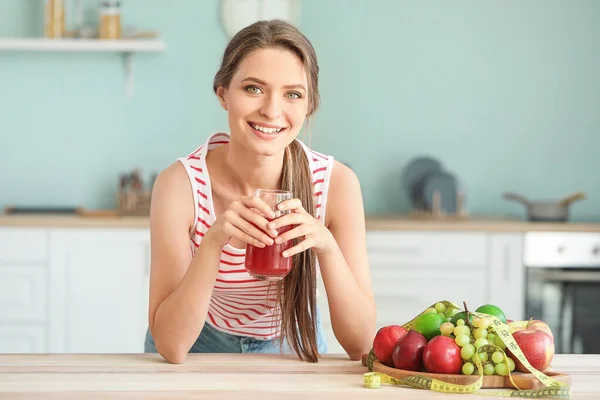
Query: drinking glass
x: 267, y: 263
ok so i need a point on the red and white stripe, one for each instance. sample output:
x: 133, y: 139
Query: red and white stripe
x: 240, y: 304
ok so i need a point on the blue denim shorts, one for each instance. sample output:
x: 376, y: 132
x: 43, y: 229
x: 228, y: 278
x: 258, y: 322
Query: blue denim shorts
x: 212, y: 340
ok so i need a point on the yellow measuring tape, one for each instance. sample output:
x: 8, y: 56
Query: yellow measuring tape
x: 554, y: 389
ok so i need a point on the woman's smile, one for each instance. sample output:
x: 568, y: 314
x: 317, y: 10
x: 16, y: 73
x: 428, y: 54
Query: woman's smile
x: 266, y: 131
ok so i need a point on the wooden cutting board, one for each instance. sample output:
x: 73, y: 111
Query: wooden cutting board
x: 522, y: 380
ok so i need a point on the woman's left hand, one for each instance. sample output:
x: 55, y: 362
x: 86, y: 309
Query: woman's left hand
x: 316, y: 235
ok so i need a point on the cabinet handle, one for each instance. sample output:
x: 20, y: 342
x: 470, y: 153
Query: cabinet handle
x: 570, y: 276
x: 506, y: 263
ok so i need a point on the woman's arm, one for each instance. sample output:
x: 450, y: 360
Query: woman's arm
x: 180, y: 286
x: 340, y: 245
x: 345, y: 269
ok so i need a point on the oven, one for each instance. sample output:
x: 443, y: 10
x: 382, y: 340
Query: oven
x: 562, y: 287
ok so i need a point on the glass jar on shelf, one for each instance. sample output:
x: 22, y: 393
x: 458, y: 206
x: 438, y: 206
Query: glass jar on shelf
x: 54, y: 19
x: 110, y: 20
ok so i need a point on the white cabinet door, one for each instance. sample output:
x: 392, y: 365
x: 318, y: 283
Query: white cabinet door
x: 412, y: 270
x: 99, y: 290
x: 19, y: 338
x: 23, y: 294
x: 23, y: 290
x: 506, y: 278
x: 23, y: 245
x: 401, y: 293
x: 428, y: 249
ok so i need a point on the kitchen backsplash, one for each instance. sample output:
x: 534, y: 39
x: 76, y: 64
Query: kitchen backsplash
x: 506, y: 94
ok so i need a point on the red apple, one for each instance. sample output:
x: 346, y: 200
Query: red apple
x: 408, y: 351
x: 516, y: 326
x: 541, y: 325
x: 537, y: 344
x: 384, y: 342
x: 442, y: 356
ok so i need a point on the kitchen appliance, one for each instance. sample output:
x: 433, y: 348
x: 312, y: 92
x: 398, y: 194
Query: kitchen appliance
x: 547, y: 211
x: 562, y: 287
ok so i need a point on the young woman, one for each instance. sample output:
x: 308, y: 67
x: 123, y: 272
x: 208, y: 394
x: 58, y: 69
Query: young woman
x: 203, y: 215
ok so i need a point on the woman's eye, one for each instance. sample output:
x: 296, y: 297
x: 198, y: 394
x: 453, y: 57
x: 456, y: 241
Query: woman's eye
x: 294, y: 95
x: 253, y: 89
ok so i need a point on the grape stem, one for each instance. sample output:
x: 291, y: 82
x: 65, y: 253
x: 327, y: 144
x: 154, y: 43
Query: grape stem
x: 467, y: 312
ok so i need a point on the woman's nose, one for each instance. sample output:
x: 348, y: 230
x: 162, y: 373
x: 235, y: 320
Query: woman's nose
x: 271, y: 108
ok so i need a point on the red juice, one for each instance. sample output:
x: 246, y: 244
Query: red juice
x: 267, y: 263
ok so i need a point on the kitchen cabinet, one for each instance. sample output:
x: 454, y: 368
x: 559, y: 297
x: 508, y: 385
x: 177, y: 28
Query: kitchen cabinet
x: 18, y: 338
x: 73, y: 290
x: 99, y: 283
x: 23, y: 290
x: 412, y: 270
x: 23, y: 246
x: 85, y: 290
x: 506, y: 276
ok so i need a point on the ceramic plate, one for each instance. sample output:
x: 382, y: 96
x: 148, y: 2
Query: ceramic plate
x: 414, y: 174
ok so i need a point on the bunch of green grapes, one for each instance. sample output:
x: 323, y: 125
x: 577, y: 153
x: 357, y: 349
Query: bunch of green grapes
x: 441, y: 309
x: 493, y: 359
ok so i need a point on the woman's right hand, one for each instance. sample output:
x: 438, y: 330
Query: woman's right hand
x: 240, y: 221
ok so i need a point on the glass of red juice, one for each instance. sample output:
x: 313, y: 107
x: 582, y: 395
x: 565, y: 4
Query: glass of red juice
x: 267, y: 263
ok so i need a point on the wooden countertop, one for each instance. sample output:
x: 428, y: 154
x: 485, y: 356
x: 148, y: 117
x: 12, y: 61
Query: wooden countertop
x: 73, y: 221
x: 373, y: 222
x: 473, y: 224
x: 225, y: 376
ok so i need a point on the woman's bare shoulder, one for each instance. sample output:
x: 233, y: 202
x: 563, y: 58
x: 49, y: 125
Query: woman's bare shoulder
x: 172, y: 197
x: 343, y: 180
x: 344, y: 196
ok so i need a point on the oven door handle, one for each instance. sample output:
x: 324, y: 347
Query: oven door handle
x: 570, y: 276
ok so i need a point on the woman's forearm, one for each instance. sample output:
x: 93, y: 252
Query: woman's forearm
x: 352, y: 310
x: 181, y: 316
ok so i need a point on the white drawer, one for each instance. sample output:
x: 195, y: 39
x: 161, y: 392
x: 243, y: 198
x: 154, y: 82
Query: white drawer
x: 23, y: 339
x: 561, y: 249
x: 22, y: 293
x: 402, y: 294
x: 22, y: 245
x: 426, y: 248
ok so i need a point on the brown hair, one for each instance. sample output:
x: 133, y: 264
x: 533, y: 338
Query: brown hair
x: 296, y: 294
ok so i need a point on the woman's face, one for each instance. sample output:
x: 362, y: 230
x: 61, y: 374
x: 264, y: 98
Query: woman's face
x: 267, y: 100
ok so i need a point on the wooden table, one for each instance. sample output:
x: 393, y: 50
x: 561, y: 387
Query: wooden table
x: 222, y: 376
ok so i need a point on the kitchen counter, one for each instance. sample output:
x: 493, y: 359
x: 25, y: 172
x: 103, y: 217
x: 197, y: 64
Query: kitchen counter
x: 225, y: 376
x: 72, y: 221
x: 473, y: 224
x: 398, y: 222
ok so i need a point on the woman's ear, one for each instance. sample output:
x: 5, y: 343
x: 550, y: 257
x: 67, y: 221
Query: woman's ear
x: 221, y: 93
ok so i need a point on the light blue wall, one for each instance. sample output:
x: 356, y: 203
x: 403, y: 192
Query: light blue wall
x: 505, y: 93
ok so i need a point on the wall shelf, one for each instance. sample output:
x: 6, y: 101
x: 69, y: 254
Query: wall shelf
x: 84, y: 45
x: 127, y: 47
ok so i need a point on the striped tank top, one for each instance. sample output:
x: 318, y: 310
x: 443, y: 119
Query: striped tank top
x: 240, y: 304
